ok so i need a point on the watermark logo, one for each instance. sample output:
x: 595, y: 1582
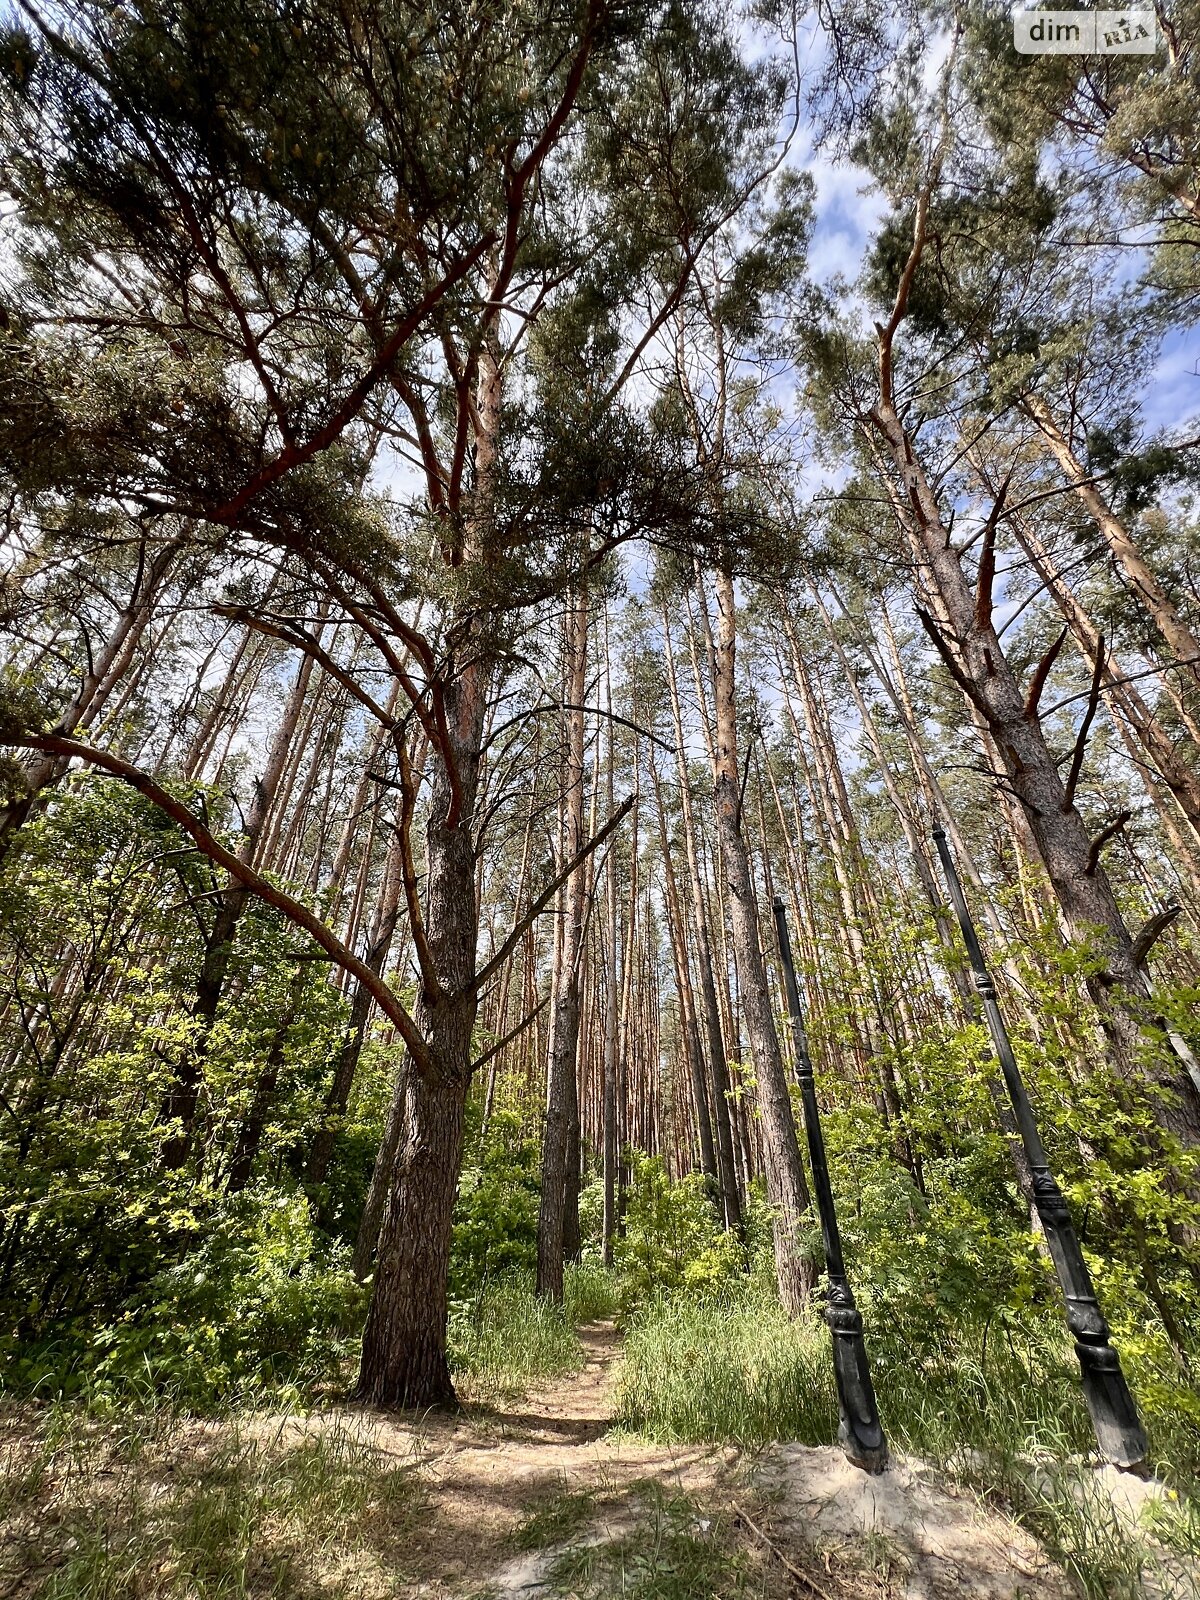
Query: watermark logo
x: 1085, y: 33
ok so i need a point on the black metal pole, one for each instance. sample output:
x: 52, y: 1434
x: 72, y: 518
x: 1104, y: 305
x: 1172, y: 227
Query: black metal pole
x: 1114, y: 1414
x: 860, y: 1432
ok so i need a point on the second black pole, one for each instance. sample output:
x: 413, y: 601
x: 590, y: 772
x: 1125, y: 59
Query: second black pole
x: 1114, y: 1415
x: 860, y: 1432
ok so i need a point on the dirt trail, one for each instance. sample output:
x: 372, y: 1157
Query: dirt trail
x: 489, y: 1466
x: 530, y: 1499
x: 814, y: 1525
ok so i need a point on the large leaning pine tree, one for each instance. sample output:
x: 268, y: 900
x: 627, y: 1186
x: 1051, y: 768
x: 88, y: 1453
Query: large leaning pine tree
x: 271, y: 249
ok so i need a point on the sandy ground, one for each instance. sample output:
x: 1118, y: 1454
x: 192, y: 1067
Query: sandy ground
x: 488, y: 1467
x: 456, y: 1522
x: 820, y: 1527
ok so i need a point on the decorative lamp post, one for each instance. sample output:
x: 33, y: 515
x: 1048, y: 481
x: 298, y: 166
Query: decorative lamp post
x: 1114, y: 1414
x: 860, y: 1432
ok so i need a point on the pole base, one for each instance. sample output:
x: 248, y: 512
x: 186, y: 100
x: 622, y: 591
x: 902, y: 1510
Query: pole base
x: 860, y: 1434
x: 1119, y: 1435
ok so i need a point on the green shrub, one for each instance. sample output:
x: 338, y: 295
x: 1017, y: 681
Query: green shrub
x: 673, y: 1238
x: 262, y: 1302
x: 495, y: 1221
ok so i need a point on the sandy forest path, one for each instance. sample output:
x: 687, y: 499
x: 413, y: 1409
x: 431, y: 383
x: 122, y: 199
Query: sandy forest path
x: 544, y: 1496
x: 511, y: 1472
x: 527, y: 1498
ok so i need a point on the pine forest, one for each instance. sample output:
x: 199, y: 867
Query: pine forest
x: 599, y: 799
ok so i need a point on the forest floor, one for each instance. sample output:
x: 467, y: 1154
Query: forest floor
x: 537, y: 1497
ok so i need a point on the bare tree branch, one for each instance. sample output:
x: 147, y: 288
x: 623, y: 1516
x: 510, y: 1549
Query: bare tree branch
x: 294, y: 910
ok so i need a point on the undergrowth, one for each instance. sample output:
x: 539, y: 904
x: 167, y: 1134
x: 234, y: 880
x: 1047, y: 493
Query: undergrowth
x: 140, y: 1509
x: 998, y: 1407
x: 672, y: 1550
x: 507, y: 1338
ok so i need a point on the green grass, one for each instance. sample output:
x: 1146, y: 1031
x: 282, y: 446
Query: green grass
x: 674, y: 1550
x: 555, y: 1518
x: 510, y: 1339
x: 140, y: 1510
x: 726, y: 1370
x: 1000, y: 1409
x: 590, y: 1293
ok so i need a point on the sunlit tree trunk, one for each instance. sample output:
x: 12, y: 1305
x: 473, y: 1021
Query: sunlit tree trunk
x: 1144, y: 583
x: 726, y: 1168
x: 561, y: 1095
x: 181, y: 1103
x: 787, y: 1187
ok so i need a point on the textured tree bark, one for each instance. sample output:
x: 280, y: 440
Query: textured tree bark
x: 726, y: 1163
x: 1143, y: 581
x: 787, y: 1188
x: 404, y: 1361
x: 562, y: 1104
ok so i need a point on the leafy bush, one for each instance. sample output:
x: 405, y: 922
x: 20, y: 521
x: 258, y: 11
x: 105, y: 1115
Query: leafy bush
x: 495, y: 1222
x: 672, y: 1236
x: 262, y: 1301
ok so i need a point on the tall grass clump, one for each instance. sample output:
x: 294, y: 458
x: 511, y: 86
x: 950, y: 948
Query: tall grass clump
x: 997, y: 1404
x: 1008, y: 1386
x: 734, y: 1367
x: 590, y: 1292
x: 727, y: 1368
x: 507, y: 1339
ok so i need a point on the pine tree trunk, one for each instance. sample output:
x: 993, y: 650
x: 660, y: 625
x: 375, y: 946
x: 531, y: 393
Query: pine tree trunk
x: 787, y: 1187
x: 404, y: 1360
x: 562, y: 1102
x: 726, y: 1163
x: 1080, y: 883
x: 181, y: 1102
x: 1144, y: 582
